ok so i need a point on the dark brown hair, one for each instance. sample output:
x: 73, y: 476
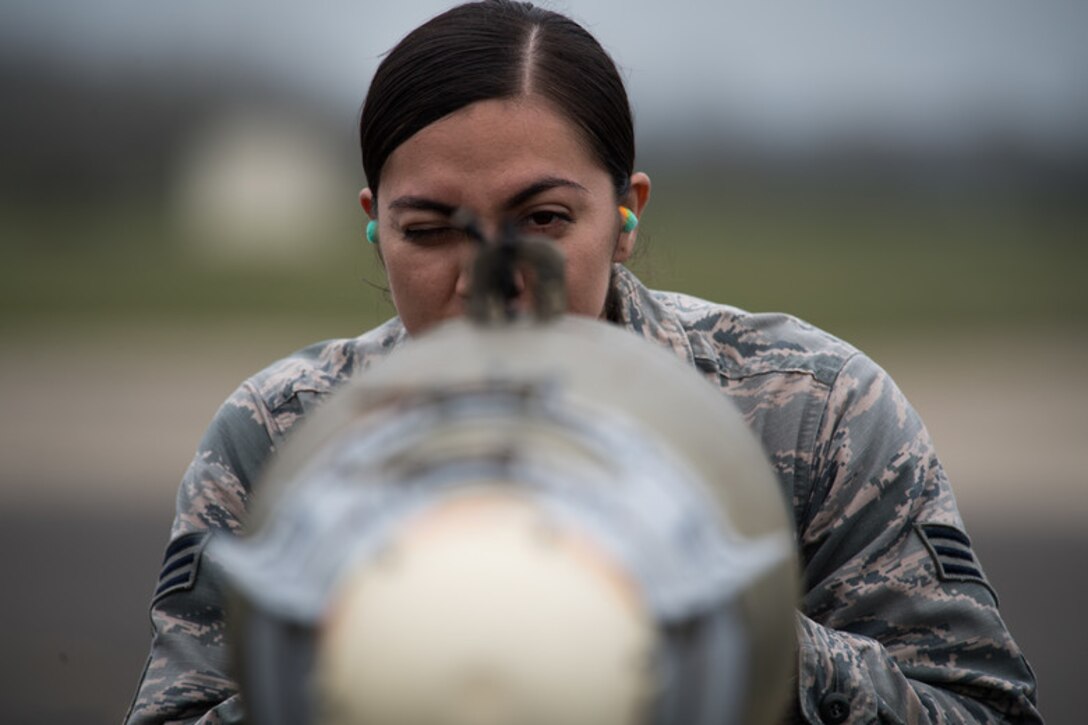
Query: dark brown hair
x: 492, y: 50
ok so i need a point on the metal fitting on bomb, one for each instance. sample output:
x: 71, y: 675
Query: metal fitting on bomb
x: 499, y: 261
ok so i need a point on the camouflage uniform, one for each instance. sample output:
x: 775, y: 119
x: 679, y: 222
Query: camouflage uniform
x: 897, y: 622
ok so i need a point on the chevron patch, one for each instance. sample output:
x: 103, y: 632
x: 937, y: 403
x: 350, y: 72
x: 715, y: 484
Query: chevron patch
x: 180, y: 564
x: 951, y: 551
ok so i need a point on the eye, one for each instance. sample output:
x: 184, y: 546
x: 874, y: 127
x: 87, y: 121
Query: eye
x: 546, y: 221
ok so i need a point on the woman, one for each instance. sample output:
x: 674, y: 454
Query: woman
x: 516, y: 112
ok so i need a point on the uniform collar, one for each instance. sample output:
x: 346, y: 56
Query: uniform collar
x: 644, y: 312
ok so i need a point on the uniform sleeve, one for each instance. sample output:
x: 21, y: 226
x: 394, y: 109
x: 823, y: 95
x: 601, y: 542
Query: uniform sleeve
x: 897, y: 622
x: 186, y: 678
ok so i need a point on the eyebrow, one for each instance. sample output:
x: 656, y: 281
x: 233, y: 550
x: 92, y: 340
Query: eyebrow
x: 539, y: 187
x: 422, y: 203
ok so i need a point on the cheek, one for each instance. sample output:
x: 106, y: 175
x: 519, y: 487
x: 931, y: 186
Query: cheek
x: 589, y: 269
x: 423, y: 285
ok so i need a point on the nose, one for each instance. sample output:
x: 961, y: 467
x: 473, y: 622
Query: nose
x: 466, y: 261
x: 519, y: 290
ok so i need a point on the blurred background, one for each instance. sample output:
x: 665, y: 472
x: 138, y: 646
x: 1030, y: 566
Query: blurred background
x: 178, y: 209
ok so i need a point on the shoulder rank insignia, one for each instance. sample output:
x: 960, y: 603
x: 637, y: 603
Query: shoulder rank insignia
x: 180, y: 564
x: 951, y: 551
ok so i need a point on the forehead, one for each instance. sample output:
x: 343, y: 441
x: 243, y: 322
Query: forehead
x: 493, y: 145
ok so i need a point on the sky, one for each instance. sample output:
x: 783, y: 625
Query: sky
x: 786, y: 72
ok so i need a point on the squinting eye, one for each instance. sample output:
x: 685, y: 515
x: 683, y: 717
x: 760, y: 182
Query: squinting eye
x: 431, y: 235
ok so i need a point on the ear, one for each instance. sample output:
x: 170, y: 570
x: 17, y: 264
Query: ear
x: 366, y: 200
x: 636, y: 199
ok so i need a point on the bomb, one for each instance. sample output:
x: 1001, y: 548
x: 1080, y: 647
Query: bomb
x: 517, y: 522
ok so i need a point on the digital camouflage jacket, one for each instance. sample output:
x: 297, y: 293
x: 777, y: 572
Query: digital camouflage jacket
x: 897, y: 622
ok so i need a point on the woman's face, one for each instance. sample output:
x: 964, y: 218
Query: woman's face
x: 502, y: 159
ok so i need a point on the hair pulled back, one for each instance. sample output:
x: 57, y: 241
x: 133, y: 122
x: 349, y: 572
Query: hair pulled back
x: 498, y: 49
